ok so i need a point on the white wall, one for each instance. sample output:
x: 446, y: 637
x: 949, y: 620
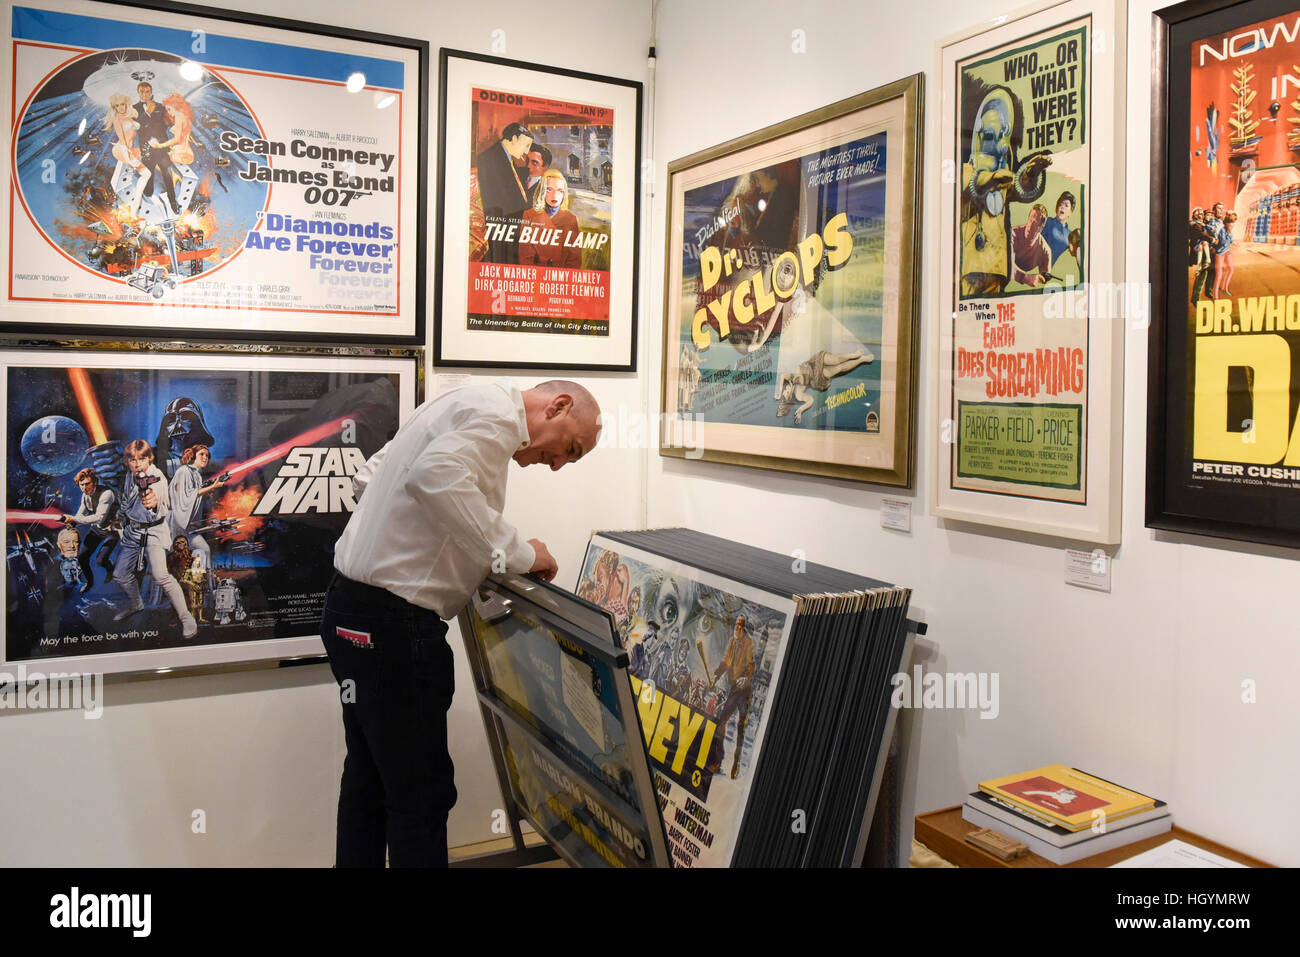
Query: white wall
x: 1142, y: 685
x: 261, y: 752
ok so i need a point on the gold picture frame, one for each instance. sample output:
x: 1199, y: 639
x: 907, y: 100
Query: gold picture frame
x: 792, y: 257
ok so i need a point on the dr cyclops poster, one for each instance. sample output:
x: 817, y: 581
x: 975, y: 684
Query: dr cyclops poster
x: 177, y: 171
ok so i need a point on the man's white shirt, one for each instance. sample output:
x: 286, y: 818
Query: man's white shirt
x: 428, y: 522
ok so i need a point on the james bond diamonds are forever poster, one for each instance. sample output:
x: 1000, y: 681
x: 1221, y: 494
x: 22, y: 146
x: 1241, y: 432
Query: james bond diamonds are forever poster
x: 176, y: 171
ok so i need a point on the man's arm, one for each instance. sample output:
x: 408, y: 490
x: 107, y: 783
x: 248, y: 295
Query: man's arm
x: 184, y: 494
x: 136, y: 504
x: 748, y: 670
x: 367, y: 472
x: 443, y: 477
x: 725, y: 663
x: 102, y: 506
x: 1043, y: 259
x: 162, y: 498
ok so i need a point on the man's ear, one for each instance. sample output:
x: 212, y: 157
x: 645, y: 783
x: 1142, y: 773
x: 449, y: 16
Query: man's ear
x: 562, y: 403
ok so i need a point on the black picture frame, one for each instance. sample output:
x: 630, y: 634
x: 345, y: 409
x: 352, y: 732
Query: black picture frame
x: 408, y: 222
x: 520, y: 350
x: 1215, y: 505
x: 513, y: 618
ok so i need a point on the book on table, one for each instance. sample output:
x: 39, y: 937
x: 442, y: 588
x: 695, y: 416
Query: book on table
x: 1067, y: 797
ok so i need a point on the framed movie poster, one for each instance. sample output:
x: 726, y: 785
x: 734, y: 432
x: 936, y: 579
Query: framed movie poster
x: 790, y: 293
x: 1030, y: 300
x: 174, y: 167
x: 174, y: 509
x: 538, y: 216
x: 1223, y: 453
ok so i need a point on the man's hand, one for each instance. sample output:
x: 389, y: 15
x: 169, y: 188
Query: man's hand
x: 544, y: 566
x: 148, y: 499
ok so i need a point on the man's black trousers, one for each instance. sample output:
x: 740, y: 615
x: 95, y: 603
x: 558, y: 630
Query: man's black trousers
x: 396, y: 679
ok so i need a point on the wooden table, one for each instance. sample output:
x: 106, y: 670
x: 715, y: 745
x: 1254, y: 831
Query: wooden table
x: 944, y: 832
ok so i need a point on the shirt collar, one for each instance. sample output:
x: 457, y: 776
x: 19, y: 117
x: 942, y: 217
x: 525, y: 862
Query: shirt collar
x: 521, y: 413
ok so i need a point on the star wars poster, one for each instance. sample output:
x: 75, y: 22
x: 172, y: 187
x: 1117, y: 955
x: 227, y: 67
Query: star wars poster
x: 1233, y: 298
x: 705, y: 657
x: 165, y: 509
x: 539, y: 220
x: 168, y: 170
x: 789, y: 308
x: 1020, y: 370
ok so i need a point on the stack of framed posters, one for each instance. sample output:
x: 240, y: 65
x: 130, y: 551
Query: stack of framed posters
x: 1223, y: 452
x: 561, y: 721
x: 1029, y: 340
x: 179, y: 169
x: 538, y: 216
x: 763, y: 690
x: 790, y: 293
x: 172, y: 509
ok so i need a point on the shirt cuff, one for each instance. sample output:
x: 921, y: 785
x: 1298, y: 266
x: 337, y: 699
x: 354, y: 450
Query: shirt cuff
x: 520, y: 556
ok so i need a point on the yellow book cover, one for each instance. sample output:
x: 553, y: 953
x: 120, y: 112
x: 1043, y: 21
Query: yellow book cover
x: 1066, y: 795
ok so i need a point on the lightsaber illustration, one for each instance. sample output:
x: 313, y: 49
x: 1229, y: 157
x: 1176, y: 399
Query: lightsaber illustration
x: 310, y: 437
x: 101, y: 447
x: 44, y: 518
x: 89, y: 405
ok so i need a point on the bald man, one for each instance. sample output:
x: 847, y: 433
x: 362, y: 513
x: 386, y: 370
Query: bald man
x: 427, y: 529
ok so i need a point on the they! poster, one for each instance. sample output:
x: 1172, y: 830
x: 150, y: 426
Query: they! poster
x: 705, y: 658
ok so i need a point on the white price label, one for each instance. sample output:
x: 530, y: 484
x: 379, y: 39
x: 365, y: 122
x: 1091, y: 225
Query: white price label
x: 446, y: 381
x: 896, y: 513
x: 1088, y: 569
